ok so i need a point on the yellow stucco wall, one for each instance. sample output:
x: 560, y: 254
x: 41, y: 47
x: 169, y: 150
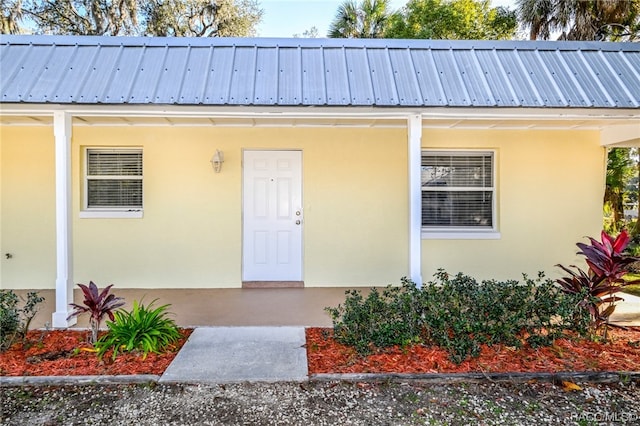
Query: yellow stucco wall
x: 27, y: 215
x: 190, y: 235
x: 549, y: 187
x: 355, y: 201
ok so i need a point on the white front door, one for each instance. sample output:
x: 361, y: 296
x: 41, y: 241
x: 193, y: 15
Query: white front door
x: 272, y: 216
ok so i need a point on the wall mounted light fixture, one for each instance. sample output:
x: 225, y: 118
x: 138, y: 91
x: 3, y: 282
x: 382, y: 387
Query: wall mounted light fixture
x: 217, y: 160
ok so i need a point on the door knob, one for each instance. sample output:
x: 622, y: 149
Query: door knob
x: 298, y: 222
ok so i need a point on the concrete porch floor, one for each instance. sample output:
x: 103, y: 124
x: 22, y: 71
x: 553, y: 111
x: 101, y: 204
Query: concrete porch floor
x: 258, y: 307
x: 222, y: 307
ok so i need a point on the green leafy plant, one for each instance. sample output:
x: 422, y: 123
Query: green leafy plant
x: 15, y: 321
x: 144, y: 329
x: 460, y: 314
x: 597, y: 286
x: 381, y: 319
x: 98, y: 304
x: 457, y: 314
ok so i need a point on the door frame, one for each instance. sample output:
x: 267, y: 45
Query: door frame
x: 271, y: 283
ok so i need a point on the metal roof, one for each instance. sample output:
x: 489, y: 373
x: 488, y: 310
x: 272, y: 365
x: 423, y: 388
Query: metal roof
x: 318, y: 72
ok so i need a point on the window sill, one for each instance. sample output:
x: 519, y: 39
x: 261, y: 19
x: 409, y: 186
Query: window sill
x: 111, y: 214
x: 461, y: 235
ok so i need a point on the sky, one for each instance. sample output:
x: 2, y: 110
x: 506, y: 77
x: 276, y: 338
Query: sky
x: 285, y: 18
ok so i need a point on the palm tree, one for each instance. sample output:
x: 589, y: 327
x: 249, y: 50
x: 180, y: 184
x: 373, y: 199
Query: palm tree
x: 537, y: 15
x: 619, y: 169
x: 365, y: 20
x: 580, y: 20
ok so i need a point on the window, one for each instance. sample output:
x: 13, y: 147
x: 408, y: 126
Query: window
x: 458, y: 191
x: 113, y: 182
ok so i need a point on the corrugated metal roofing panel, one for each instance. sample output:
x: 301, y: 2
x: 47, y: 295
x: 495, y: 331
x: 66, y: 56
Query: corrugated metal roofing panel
x: 633, y: 60
x: 501, y: 90
x: 428, y: 78
x: 382, y: 77
x: 122, y: 78
x: 518, y: 78
x: 44, y: 87
x: 195, y: 71
x: 626, y: 71
x: 74, y: 74
x: 451, y: 78
x: 473, y: 78
x: 585, y: 78
x: 147, y: 74
x: 541, y: 79
x: 242, y: 76
x: 218, y: 81
x: 29, y: 64
x: 265, y: 82
x: 167, y: 87
x: 98, y: 78
x: 571, y: 92
x: 332, y: 72
x: 359, y: 75
x: 613, y: 85
x: 289, y: 76
x: 338, y: 91
x: 314, y: 88
x: 266, y: 77
x: 11, y: 59
x: 405, y: 80
x: 5, y: 64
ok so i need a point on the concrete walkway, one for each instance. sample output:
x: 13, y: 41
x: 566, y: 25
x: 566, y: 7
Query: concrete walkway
x: 627, y: 312
x: 256, y: 354
x: 272, y: 354
x: 240, y: 354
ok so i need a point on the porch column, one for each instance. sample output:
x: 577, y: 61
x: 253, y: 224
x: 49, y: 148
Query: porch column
x: 64, y: 259
x: 414, y: 127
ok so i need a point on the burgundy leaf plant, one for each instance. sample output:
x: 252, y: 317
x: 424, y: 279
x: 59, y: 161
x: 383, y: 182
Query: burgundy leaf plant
x: 98, y: 304
x: 604, y: 277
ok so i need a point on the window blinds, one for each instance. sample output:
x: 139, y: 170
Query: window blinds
x: 114, y: 179
x: 457, y: 190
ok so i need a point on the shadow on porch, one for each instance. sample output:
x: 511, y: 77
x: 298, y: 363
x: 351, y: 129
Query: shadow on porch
x: 223, y: 307
x: 259, y: 307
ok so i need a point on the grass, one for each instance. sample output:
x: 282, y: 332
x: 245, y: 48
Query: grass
x: 633, y: 288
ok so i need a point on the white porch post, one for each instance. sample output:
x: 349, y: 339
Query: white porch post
x: 414, y: 127
x: 64, y: 259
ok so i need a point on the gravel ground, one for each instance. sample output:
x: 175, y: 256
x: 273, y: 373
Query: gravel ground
x: 322, y: 403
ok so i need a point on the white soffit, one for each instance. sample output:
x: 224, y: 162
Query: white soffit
x: 624, y: 135
x: 622, y: 126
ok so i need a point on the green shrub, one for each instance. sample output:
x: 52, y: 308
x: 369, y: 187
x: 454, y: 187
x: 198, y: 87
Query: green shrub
x: 457, y: 314
x: 461, y: 314
x: 144, y: 329
x: 15, y: 321
x: 381, y: 319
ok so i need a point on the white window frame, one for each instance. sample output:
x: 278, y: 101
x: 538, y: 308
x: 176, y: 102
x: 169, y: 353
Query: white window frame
x: 471, y: 233
x: 108, y: 212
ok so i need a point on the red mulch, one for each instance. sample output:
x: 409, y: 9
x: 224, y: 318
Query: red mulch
x: 325, y: 355
x: 68, y: 353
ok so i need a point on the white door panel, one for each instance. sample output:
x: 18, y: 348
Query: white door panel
x: 272, y: 216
